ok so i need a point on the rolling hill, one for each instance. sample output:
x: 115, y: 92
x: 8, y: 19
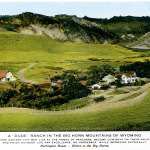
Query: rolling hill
x: 74, y: 29
x: 50, y: 55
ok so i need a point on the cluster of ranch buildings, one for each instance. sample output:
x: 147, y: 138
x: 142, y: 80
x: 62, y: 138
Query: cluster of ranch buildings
x: 125, y: 78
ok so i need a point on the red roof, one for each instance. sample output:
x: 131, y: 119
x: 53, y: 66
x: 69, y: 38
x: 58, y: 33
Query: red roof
x: 3, y: 73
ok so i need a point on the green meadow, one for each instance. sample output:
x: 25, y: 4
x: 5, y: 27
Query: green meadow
x: 18, y: 51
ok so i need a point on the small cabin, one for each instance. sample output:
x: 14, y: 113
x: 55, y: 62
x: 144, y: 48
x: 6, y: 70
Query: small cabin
x: 6, y: 76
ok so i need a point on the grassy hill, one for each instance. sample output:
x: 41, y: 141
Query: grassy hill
x: 51, y: 56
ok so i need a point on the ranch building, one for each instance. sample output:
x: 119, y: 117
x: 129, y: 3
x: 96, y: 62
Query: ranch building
x: 6, y: 76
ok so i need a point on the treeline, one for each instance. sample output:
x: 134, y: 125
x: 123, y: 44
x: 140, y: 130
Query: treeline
x: 117, y: 19
x: 142, y: 69
x: 124, y: 25
x: 25, y: 19
x: 96, y: 73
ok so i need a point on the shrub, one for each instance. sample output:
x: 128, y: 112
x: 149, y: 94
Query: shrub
x: 7, y: 95
x: 94, y: 59
x: 59, y: 100
x: 99, y: 99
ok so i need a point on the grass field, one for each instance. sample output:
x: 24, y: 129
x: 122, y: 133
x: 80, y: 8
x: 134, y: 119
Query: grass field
x: 135, y: 117
x: 116, y: 92
x: 18, y: 51
x: 131, y: 96
x: 73, y: 104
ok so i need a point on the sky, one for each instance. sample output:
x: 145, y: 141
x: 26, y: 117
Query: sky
x: 93, y: 9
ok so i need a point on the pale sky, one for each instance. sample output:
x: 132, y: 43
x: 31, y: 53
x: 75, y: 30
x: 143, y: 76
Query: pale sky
x: 80, y: 9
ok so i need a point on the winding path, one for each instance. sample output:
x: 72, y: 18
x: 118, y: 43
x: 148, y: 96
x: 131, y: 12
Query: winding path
x: 21, y: 74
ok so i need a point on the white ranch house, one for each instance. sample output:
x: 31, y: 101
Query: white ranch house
x: 6, y: 76
x: 128, y: 77
x: 109, y: 78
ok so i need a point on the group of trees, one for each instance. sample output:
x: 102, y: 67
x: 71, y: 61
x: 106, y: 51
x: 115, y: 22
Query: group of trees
x: 93, y: 74
x: 7, y: 95
x: 65, y: 75
x: 96, y: 73
x: 36, y: 97
x: 123, y: 25
x: 142, y: 69
x: 73, y: 89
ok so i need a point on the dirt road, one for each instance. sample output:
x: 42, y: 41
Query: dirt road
x: 21, y: 74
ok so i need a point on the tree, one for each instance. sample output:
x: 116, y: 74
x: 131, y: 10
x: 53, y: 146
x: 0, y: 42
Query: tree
x: 99, y: 99
x: 141, y: 68
x: 95, y: 73
x: 23, y: 89
x: 7, y: 95
x: 58, y: 100
x: 118, y: 81
x: 73, y: 89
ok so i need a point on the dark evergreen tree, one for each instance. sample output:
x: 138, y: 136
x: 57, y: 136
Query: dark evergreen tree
x: 73, y: 89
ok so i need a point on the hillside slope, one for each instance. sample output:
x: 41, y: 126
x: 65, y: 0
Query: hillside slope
x: 74, y: 29
x: 61, y: 27
x: 18, y: 50
x: 142, y: 44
